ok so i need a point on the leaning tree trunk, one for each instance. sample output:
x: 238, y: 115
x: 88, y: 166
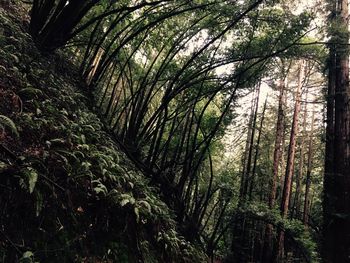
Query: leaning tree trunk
x: 52, y: 22
x: 290, y: 165
x: 336, y: 247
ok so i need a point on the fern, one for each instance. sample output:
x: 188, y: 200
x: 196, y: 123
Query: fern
x: 32, y: 178
x: 30, y: 92
x: 7, y: 122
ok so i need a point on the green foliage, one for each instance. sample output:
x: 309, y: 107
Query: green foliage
x: 82, y: 195
x: 30, y: 92
x: 339, y: 35
x: 79, y: 197
x: 27, y: 257
x: 6, y: 122
x: 30, y: 178
x: 294, y: 229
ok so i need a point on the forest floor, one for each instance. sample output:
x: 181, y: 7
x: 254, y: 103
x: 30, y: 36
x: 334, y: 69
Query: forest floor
x: 68, y: 193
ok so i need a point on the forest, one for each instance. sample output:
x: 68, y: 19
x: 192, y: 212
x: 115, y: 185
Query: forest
x: 174, y: 131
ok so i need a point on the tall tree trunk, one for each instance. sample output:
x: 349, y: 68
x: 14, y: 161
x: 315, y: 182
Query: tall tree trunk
x: 247, y: 147
x: 297, y: 195
x: 257, y: 146
x: 239, y: 229
x: 337, y: 169
x: 248, y: 162
x: 283, y: 156
x: 268, y: 246
x: 308, y: 173
x: 278, y: 145
x: 290, y: 164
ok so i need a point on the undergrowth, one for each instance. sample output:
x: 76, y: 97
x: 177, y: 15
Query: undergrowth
x: 68, y: 194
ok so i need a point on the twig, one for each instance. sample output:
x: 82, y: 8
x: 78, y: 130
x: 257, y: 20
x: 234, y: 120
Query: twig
x: 8, y: 151
x: 10, y: 241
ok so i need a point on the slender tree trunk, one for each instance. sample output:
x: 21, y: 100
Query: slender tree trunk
x: 53, y: 21
x: 336, y: 245
x: 249, y: 149
x: 308, y: 173
x: 268, y: 245
x: 239, y: 229
x: 278, y: 146
x: 257, y: 147
x: 297, y: 195
x: 290, y: 164
x: 283, y: 157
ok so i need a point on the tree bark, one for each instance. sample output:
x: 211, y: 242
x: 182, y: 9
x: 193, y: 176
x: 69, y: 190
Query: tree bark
x: 51, y: 22
x: 245, y: 181
x: 257, y: 146
x: 308, y: 174
x: 278, y: 146
x: 290, y: 164
x: 336, y: 246
x: 268, y: 245
x: 297, y: 195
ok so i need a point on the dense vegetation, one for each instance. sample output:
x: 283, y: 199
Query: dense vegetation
x: 174, y: 131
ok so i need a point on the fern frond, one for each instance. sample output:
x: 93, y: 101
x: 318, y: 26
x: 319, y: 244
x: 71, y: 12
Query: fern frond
x: 7, y: 122
x: 30, y: 92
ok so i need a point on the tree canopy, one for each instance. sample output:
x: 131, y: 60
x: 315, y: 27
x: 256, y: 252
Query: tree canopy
x: 197, y: 130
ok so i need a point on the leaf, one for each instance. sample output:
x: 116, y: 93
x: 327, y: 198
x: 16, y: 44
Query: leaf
x: 136, y: 211
x: 83, y: 147
x: 147, y: 205
x: 30, y: 92
x: 14, y: 58
x: 86, y: 166
x: 32, y: 179
x: 27, y: 254
x: 3, y: 166
x: 89, y: 127
x: 27, y: 257
x: 7, y: 122
x: 124, y: 202
x: 38, y: 203
x: 83, y: 139
x: 100, y: 188
x: 64, y: 112
x: 57, y: 141
x: 126, y: 198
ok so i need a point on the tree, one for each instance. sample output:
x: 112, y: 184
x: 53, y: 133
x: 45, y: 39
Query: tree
x: 336, y: 246
x: 268, y: 245
x: 308, y: 173
x: 290, y: 163
x: 54, y: 23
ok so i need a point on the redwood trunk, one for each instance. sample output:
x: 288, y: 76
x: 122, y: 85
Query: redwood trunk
x: 290, y: 164
x: 308, y: 174
x: 268, y: 246
x: 257, y: 148
x: 337, y: 171
x: 301, y: 166
x: 248, y: 162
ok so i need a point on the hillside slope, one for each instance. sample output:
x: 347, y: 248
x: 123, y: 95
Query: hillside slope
x: 68, y: 194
